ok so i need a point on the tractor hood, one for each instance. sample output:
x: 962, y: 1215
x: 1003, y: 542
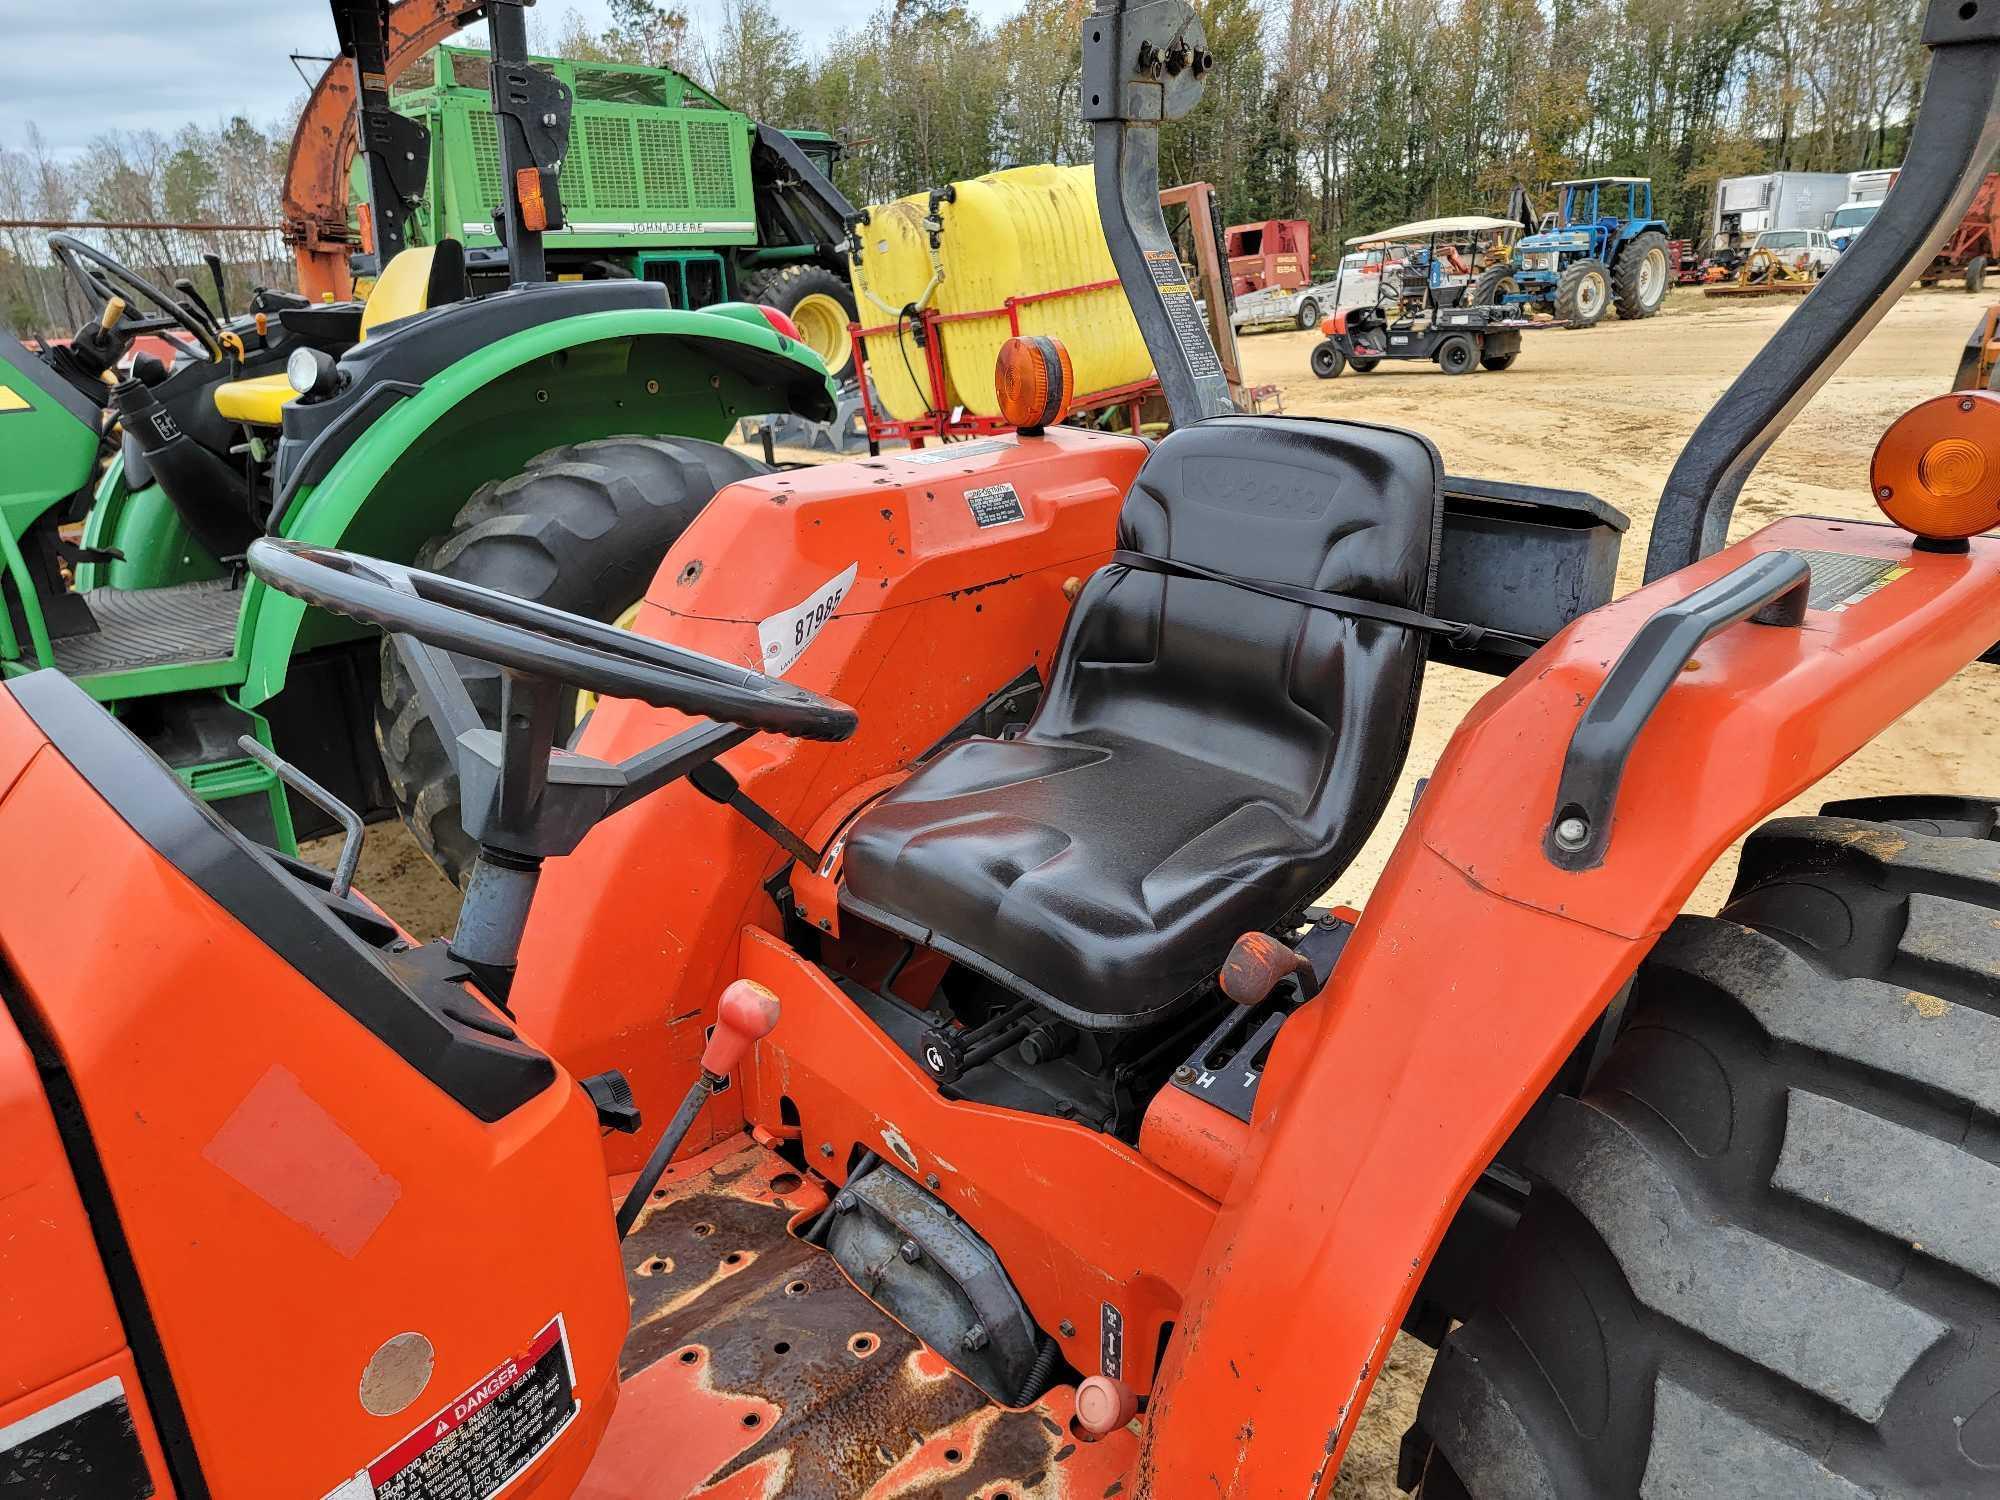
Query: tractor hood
x: 1556, y: 239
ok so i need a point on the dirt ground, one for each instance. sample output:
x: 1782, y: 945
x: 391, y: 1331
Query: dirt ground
x: 1604, y: 410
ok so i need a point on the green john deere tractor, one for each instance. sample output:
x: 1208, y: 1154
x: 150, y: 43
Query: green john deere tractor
x: 549, y: 438
x: 662, y: 181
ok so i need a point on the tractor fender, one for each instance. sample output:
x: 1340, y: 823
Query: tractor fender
x: 142, y: 524
x: 1479, y: 963
x: 400, y: 482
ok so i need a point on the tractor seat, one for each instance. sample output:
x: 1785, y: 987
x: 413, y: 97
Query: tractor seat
x: 1206, y: 758
x: 420, y: 277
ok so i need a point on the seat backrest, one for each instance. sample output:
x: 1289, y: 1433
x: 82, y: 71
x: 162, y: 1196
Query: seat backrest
x: 1318, y: 705
x: 417, y: 278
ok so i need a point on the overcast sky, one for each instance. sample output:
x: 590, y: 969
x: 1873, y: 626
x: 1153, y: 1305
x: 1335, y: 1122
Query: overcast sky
x: 79, y: 67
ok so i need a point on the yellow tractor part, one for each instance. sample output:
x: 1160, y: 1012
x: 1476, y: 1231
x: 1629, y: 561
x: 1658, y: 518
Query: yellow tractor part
x: 822, y: 325
x: 585, y: 701
x: 1010, y: 234
x: 1763, y: 273
x: 401, y: 291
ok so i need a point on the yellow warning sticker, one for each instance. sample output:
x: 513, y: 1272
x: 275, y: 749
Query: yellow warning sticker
x: 13, y: 400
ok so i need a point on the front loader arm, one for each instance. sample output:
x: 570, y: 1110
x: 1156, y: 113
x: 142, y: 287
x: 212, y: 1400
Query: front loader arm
x: 1479, y: 963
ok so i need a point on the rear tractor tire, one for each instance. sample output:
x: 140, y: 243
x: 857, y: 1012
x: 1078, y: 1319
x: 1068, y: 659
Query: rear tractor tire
x: 1327, y: 360
x: 1639, y: 281
x: 583, y: 528
x: 819, y: 303
x: 1583, y: 294
x: 1495, y: 283
x: 1759, y: 1255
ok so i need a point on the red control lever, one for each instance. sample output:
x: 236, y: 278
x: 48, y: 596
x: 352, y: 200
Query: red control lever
x: 1103, y: 1405
x: 744, y: 1016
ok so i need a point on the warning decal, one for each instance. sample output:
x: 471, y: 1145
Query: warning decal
x: 474, y: 1446
x: 1843, y: 578
x: 1170, y: 276
x: 994, y: 505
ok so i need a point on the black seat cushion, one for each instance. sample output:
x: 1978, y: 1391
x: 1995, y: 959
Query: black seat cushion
x: 1206, y: 759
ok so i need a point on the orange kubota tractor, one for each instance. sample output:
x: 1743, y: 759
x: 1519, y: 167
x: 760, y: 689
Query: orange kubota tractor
x: 893, y: 1050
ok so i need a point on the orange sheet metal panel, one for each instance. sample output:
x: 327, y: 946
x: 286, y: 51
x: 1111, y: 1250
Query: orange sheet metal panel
x: 1478, y: 964
x: 111, y: 1379
x: 1098, y: 1240
x: 1193, y: 1140
x: 293, y: 1194
x: 56, y: 1313
x: 954, y: 561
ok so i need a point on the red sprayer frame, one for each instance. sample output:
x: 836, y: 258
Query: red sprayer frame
x: 942, y: 420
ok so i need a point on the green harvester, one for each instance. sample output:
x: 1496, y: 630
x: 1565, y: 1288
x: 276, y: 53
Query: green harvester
x: 662, y: 181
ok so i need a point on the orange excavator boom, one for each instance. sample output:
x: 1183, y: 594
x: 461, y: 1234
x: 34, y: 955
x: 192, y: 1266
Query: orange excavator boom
x: 315, y: 201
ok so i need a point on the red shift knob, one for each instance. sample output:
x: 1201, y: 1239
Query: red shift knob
x: 1104, y: 1405
x: 746, y: 1012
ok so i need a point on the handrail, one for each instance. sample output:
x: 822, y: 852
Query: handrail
x: 1770, y: 589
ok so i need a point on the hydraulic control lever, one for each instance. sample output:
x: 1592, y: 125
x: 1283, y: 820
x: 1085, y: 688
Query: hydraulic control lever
x: 746, y: 1014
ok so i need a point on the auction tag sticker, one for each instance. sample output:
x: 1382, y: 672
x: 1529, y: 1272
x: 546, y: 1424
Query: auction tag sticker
x: 475, y: 1446
x: 782, y: 638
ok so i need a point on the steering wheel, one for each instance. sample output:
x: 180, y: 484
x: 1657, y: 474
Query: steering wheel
x: 539, y: 642
x: 100, y: 278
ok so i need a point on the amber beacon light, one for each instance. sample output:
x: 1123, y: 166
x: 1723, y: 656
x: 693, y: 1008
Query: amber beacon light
x: 1034, y: 379
x: 1936, y: 471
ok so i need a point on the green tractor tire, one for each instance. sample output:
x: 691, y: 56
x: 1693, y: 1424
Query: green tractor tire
x: 582, y: 528
x: 818, y: 301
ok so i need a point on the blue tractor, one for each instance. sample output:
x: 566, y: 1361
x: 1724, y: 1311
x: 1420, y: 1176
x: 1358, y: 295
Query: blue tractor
x: 1601, y: 248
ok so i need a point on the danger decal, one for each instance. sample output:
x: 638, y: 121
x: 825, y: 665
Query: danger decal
x: 478, y: 1443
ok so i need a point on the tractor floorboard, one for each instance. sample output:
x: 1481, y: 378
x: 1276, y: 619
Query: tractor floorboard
x: 178, y: 626
x: 755, y: 1368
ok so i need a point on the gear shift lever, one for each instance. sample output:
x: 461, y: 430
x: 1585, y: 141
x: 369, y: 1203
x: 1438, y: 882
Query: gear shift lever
x: 745, y: 1015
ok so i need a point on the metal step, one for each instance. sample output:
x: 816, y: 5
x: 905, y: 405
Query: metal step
x: 182, y: 625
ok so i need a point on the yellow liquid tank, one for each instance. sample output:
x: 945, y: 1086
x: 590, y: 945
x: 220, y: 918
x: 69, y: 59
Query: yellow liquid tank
x: 1009, y: 234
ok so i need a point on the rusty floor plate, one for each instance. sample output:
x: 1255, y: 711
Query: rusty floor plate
x: 754, y: 1368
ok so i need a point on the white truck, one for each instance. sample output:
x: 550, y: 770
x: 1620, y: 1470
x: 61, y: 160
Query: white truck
x: 1745, y: 207
x: 1808, y: 250
x: 1865, y: 192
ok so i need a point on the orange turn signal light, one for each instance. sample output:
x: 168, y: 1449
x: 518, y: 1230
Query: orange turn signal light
x: 1035, y: 381
x: 1936, y: 471
x: 528, y: 190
